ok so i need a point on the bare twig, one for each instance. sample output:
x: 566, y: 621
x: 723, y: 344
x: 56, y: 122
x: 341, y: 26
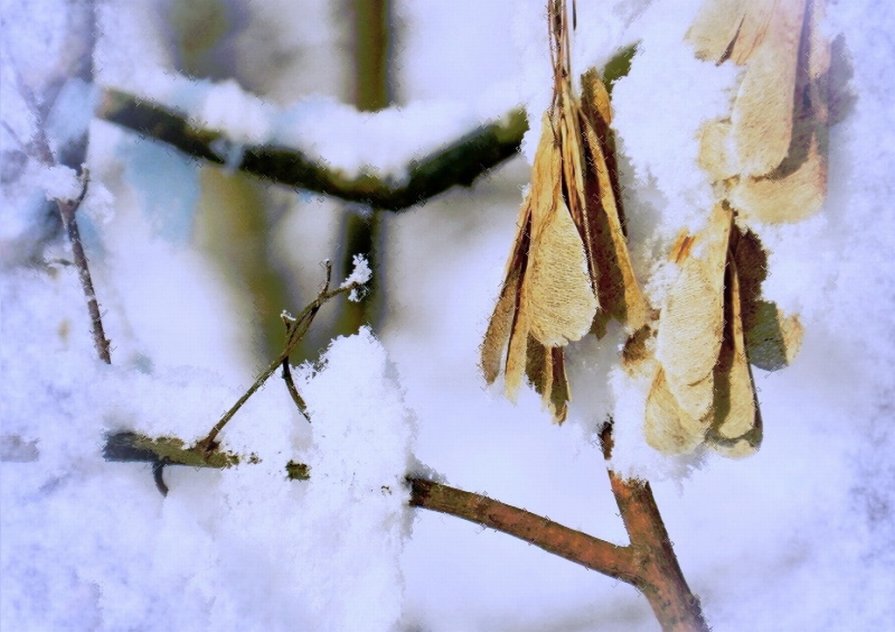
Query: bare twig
x: 67, y: 210
x: 581, y: 548
x: 39, y: 149
x: 296, y: 334
x: 300, y: 404
x: 647, y: 563
x: 594, y: 553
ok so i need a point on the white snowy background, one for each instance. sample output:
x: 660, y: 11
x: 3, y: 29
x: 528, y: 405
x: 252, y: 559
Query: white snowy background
x: 799, y: 537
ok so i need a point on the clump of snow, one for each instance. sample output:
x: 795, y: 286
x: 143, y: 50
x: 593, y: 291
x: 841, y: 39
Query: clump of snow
x: 659, y: 108
x: 59, y: 182
x: 226, y: 106
x: 360, y: 275
x: 357, y: 499
x: 89, y: 544
x: 68, y: 120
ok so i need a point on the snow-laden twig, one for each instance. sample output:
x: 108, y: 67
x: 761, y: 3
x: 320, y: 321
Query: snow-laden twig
x: 648, y: 563
x: 459, y: 163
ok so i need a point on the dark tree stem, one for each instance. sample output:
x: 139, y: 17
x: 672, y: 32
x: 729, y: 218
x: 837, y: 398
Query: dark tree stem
x: 459, y: 163
x: 67, y: 211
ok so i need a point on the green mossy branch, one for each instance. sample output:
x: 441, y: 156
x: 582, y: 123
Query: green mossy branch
x: 132, y: 447
x: 459, y: 163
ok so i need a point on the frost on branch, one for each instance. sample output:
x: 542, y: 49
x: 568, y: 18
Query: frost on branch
x: 360, y: 275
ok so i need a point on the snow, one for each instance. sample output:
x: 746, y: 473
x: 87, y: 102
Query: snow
x: 799, y: 536
x: 216, y: 546
x: 360, y: 275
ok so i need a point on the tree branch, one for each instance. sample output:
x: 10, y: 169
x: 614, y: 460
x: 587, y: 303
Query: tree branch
x: 296, y: 330
x: 593, y: 553
x: 73, y: 155
x: 459, y: 163
x: 648, y: 563
x: 659, y: 575
x: 67, y: 211
x: 599, y: 555
x: 660, y: 578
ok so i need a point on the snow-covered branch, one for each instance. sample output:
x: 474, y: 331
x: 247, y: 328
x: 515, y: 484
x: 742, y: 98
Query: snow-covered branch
x: 461, y: 162
x: 648, y: 563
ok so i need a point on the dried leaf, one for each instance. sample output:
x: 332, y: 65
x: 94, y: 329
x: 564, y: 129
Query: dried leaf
x: 517, y: 351
x: 667, y: 427
x: 557, y: 286
x: 546, y: 372
x: 753, y: 28
x: 763, y: 110
x: 691, y: 324
x: 773, y: 339
x: 772, y: 151
x: 788, y: 199
x: 617, y: 287
x: 737, y: 424
x: 501, y: 324
x: 717, y: 155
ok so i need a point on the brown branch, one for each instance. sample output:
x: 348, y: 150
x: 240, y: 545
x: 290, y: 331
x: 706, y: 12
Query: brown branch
x: 648, y: 563
x: 459, y: 163
x: 599, y: 555
x: 67, y: 211
x: 593, y: 553
x: 659, y: 577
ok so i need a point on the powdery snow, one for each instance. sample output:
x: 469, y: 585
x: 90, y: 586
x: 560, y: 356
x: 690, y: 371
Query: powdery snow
x: 800, y: 536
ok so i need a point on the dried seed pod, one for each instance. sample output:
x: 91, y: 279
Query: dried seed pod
x: 713, y: 325
x: 570, y: 256
x: 770, y: 154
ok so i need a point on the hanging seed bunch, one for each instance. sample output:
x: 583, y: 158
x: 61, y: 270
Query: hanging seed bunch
x: 569, y: 271
x: 768, y: 163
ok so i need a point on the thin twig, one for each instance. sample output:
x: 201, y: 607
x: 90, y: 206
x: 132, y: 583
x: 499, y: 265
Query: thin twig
x: 300, y: 404
x: 576, y: 546
x: 602, y: 556
x: 39, y: 149
x: 67, y: 211
x: 296, y: 334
